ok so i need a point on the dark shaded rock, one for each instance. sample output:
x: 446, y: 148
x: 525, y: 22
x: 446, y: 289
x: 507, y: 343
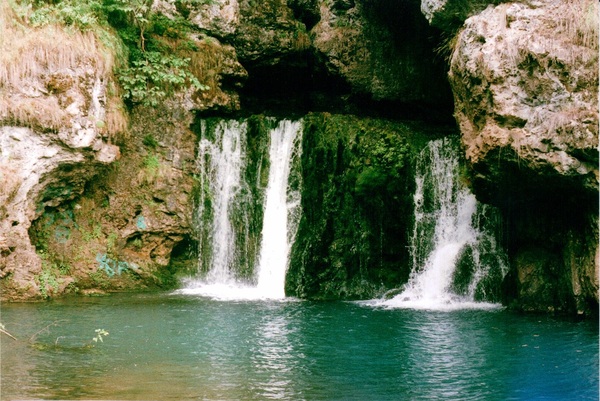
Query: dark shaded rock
x: 380, y: 48
x: 357, y: 208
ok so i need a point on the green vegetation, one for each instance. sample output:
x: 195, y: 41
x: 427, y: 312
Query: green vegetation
x: 152, y: 163
x: 357, y: 198
x: 146, y: 51
x: 82, y: 15
x: 93, y: 234
x: 137, y: 244
x: 111, y: 243
x: 150, y: 141
x: 99, y: 279
x: 150, y: 79
x: 56, y: 345
x: 47, y: 280
x: 151, y: 169
x: 157, y: 45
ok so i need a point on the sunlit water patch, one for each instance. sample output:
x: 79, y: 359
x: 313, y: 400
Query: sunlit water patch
x: 229, y: 292
x: 445, y: 304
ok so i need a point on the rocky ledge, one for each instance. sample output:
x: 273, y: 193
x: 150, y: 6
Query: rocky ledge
x: 525, y: 84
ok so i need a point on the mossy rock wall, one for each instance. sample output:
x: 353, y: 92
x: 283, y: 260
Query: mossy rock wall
x: 357, y: 207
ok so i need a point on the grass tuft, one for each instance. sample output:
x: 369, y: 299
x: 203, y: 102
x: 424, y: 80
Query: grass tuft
x: 30, y: 56
x: 579, y: 22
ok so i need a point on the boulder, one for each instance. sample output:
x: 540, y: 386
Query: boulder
x: 525, y: 84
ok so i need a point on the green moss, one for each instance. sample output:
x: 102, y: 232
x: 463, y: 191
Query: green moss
x: 100, y: 280
x: 357, y: 205
x: 150, y: 141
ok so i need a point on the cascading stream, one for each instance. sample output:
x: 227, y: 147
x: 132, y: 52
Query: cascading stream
x: 456, y: 261
x: 281, y: 208
x: 221, y: 163
x: 224, y: 216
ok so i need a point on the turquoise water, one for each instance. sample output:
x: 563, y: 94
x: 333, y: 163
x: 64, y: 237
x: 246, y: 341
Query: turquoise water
x: 176, y: 347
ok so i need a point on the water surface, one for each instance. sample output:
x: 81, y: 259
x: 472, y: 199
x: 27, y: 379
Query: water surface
x: 181, y: 347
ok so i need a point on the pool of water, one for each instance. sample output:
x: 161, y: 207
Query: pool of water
x: 181, y: 347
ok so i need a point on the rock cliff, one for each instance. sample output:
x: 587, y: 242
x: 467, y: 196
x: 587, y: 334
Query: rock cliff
x: 58, y: 115
x: 324, y: 55
x: 96, y: 194
x: 525, y: 84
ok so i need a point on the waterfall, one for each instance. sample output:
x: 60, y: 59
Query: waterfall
x: 456, y: 262
x: 281, y: 215
x: 221, y: 163
x: 226, y: 218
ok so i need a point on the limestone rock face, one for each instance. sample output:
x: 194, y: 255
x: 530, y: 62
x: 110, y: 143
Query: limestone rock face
x: 522, y: 81
x: 450, y: 14
x: 146, y: 199
x: 435, y: 10
x: 58, y: 114
x: 214, y: 61
x: 261, y: 35
x: 222, y: 73
x: 219, y: 18
x: 375, y: 48
x: 525, y: 84
x: 42, y: 167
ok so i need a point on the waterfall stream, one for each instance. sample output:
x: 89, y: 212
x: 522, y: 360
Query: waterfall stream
x: 456, y: 262
x: 282, y: 211
x: 221, y: 162
x: 247, y: 222
x: 228, y: 266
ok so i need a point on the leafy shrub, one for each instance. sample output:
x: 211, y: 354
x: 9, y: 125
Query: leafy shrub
x: 83, y: 15
x: 149, y: 80
x: 47, y: 281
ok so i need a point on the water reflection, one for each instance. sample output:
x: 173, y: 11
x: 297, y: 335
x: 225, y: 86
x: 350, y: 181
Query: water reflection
x: 448, y: 359
x: 187, y: 348
x: 273, y: 358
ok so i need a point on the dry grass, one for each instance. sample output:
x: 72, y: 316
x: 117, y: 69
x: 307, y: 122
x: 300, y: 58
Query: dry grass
x: 207, y: 64
x: 571, y: 31
x: 117, y: 123
x: 37, y: 113
x: 30, y: 55
x: 27, y: 53
x: 579, y: 22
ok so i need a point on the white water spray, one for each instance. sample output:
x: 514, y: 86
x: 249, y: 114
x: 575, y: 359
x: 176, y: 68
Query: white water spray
x: 222, y: 167
x: 444, y: 231
x: 221, y: 163
x: 281, y: 210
